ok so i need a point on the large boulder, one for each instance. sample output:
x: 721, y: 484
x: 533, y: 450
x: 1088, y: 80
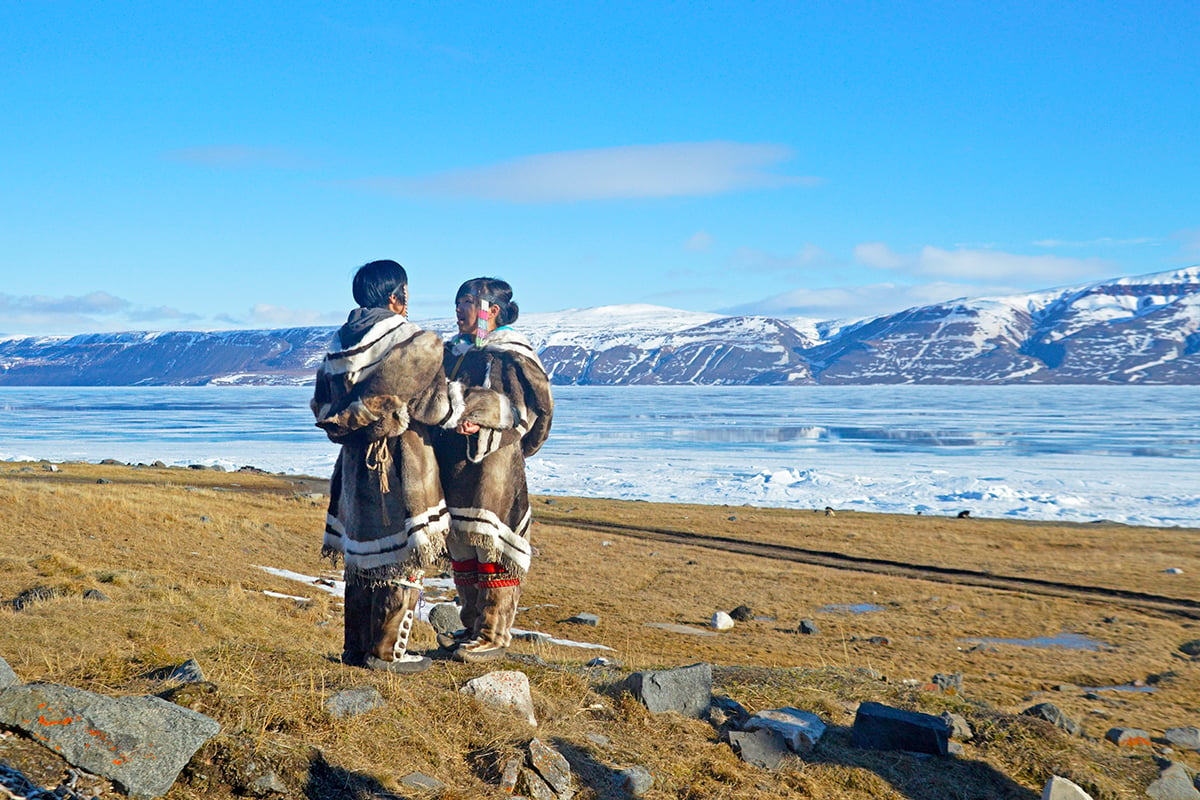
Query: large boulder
x: 140, y: 743
x: 7, y: 676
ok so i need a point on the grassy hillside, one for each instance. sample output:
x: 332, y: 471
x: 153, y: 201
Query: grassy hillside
x: 178, y: 552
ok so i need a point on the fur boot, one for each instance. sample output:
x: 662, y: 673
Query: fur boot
x: 466, y: 581
x: 497, y: 612
x: 379, y: 622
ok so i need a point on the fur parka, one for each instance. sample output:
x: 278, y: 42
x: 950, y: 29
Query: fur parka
x: 378, y: 397
x: 483, y: 475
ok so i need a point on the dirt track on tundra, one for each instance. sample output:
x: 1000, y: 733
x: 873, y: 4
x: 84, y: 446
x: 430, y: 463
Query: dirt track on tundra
x: 1172, y: 606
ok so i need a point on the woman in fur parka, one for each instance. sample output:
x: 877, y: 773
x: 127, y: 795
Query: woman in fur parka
x: 482, y: 464
x: 379, y: 393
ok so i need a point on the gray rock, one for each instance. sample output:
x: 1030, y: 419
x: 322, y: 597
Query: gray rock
x: 7, y: 676
x: 800, y: 729
x: 764, y: 747
x: 742, y: 614
x: 551, y: 766
x: 633, y: 781
x: 1128, y: 737
x: 1184, y: 738
x: 507, y: 689
x: 96, y: 595
x: 534, y: 786
x: 422, y: 782
x: 510, y: 774
x: 949, y: 684
x: 140, y: 743
x: 880, y: 727
x: 960, y: 729
x: 808, y: 627
x: 37, y: 594
x: 187, y: 672
x: 352, y: 702
x: 687, y: 690
x: 1191, y: 648
x: 1062, y: 789
x: 585, y: 619
x: 1054, y: 715
x: 598, y: 739
x: 267, y: 784
x: 445, y: 617
x: 1173, y: 783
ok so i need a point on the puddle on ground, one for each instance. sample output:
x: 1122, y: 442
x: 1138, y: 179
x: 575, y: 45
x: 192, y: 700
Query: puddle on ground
x: 849, y: 608
x: 1128, y: 687
x: 1064, y: 640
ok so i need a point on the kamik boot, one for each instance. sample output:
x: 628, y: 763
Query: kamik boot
x: 497, y: 612
x: 391, y: 653
x: 466, y: 581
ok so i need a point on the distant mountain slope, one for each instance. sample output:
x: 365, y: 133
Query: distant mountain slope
x: 1130, y: 330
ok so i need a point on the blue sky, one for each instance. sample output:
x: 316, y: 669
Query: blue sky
x: 209, y: 165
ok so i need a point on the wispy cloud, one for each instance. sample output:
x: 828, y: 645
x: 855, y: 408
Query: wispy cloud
x: 239, y: 156
x: 688, y: 169
x: 699, y: 242
x: 264, y: 315
x: 981, y: 265
x: 806, y: 259
x: 94, y: 312
x: 857, y: 302
x: 1104, y: 241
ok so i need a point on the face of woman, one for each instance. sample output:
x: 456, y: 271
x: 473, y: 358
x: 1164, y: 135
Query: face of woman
x: 466, y: 313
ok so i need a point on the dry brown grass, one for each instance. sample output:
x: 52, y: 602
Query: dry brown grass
x: 175, y: 551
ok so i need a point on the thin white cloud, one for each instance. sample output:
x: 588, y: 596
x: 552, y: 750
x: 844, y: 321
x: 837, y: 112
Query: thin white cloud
x: 981, y: 265
x: 1104, y: 241
x: 239, y: 156
x: 699, y: 242
x: 687, y: 169
x: 806, y: 259
x: 265, y: 315
x: 91, y: 303
x: 858, y: 302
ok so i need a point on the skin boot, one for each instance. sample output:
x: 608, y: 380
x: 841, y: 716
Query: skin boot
x: 468, y: 600
x: 498, y: 611
x: 390, y: 653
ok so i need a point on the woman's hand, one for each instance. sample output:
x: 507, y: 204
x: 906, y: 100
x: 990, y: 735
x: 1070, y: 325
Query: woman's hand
x: 466, y: 428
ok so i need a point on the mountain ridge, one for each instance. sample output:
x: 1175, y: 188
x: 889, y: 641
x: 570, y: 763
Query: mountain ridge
x: 1136, y: 329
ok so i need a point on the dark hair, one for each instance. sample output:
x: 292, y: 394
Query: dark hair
x: 377, y: 282
x: 496, y: 292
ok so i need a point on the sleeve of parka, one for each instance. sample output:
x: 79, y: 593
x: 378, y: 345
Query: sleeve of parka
x: 517, y: 408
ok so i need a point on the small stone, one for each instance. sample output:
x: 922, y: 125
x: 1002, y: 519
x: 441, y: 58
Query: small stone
x: 960, y: 729
x: 721, y: 621
x: 422, y: 782
x: 1054, y: 715
x: 686, y: 690
x: 96, y: 595
x: 551, y: 766
x: 1187, y: 738
x: 763, y: 747
x: 808, y: 627
x: 585, y: 619
x: 800, y: 729
x: 634, y: 781
x: 1191, y: 648
x: 445, y: 617
x: 50, y: 467
x: 1128, y: 737
x: 352, y: 702
x: 187, y: 672
x: 880, y: 727
x: 742, y: 614
x: 879, y: 640
x: 535, y: 786
x: 601, y: 661
x: 1062, y: 789
x: 1173, y: 571
x: 509, y: 775
x: 949, y: 684
x: 598, y: 739
x: 103, y: 480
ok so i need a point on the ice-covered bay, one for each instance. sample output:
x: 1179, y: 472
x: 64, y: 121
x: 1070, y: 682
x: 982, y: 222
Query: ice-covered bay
x: 1074, y: 453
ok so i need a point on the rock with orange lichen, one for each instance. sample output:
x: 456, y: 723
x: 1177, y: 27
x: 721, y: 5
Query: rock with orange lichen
x: 140, y: 743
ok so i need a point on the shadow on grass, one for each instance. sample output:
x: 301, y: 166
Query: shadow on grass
x: 330, y: 782
x: 920, y: 777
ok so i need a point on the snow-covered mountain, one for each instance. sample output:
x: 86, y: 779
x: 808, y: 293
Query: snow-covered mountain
x: 1130, y: 330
